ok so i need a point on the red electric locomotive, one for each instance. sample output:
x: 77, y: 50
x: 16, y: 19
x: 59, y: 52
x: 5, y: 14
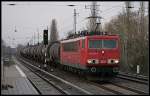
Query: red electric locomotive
x: 96, y: 54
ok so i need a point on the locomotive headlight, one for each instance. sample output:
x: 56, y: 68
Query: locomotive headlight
x: 113, y: 61
x: 116, y: 61
x: 93, y: 61
x: 89, y: 61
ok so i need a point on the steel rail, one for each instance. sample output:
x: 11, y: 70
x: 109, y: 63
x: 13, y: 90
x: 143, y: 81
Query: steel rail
x: 58, y: 78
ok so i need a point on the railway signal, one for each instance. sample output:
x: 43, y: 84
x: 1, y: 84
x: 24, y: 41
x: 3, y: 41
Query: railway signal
x: 45, y: 37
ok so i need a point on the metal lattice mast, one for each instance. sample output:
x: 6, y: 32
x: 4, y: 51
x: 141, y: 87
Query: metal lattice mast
x: 93, y: 14
x: 127, y: 31
x: 94, y: 19
x: 141, y: 11
x: 38, y: 35
x: 128, y: 12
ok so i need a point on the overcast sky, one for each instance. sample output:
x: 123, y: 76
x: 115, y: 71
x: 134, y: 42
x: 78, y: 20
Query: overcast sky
x: 30, y: 17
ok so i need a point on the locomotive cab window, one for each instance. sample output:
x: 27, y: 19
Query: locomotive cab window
x: 99, y: 44
x: 95, y: 43
x: 109, y: 43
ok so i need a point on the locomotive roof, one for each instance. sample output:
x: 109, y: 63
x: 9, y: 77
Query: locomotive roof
x: 74, y: 39
x: 93, y: 36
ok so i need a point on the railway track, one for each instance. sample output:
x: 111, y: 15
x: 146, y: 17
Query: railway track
x: 107, y: 88
x: 43, y: 86
x: 114, y: 89
x: 62, y: 85
x: 136, y: 90
x: 134, y: 75
x: 127, y: 85
x: 121, y: 88
x: 135, y: 78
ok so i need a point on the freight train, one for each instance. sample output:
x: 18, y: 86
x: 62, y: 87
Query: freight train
x: 91, y: 55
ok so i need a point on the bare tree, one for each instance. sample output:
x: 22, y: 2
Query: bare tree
x: 70, y: 34
x: 133, y: 28
x: 54, y: 31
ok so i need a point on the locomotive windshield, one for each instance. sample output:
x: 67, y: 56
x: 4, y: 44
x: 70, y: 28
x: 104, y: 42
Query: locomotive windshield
x: 109, y: 43
x: 99, y: 44
x: 95, y: 43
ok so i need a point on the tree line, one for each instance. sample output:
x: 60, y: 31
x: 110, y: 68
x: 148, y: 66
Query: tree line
x: 133, y: 30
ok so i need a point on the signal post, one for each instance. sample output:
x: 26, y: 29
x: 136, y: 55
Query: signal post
x: 45, y: 40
